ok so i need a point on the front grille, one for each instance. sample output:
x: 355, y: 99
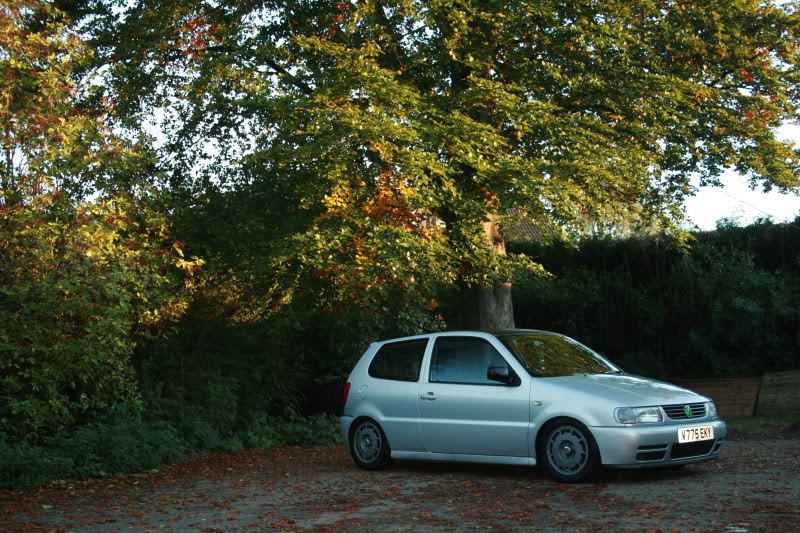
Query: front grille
x: 691, y: 449
x: 676, y: 412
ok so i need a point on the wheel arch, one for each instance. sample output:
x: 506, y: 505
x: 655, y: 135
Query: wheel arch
x: 540, y: 435
x: 382, y: 456
x: 360, y: 418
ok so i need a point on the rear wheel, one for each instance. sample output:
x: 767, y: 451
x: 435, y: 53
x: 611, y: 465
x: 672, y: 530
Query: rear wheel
x: 569, y: 451
x: 368, y: 446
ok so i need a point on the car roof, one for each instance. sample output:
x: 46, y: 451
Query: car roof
x: 517, y: 331
x: 493, y: 332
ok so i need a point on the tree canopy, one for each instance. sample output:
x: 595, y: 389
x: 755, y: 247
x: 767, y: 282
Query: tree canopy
x: 383, y: 142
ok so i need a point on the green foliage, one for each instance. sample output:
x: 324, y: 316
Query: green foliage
x: 121, y: 445
x: 79, y: 286
x: 81, y: 282
x: 369, y: 149
x: 56, y: 132
x: 747, y: 313
x: 24, y: 467
x: 221, y: 374
x: 728, y: 306
x: 316, y: 430
x: 126, y: 443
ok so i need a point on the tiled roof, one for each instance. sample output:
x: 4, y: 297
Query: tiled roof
x: 537, y: 228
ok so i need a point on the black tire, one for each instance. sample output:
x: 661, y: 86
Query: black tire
x: 369, y: 446
x: 568, y: 451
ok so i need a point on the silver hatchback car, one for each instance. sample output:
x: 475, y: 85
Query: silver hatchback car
x: 520, y: 397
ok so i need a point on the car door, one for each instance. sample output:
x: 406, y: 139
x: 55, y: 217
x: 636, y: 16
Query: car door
x: 390, y: 393
x: 464, y: 412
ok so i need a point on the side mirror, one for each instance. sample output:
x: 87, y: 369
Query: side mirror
x: 502, y: 374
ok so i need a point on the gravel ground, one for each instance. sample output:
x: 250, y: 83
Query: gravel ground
x: 755, y: 486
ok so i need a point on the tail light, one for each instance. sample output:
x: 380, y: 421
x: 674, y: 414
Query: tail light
x: 345, y: 392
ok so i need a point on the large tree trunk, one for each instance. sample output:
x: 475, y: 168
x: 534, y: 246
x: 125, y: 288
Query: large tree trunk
x: 487, y: 307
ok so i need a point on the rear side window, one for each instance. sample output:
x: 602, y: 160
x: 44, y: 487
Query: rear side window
x: 400, y: 361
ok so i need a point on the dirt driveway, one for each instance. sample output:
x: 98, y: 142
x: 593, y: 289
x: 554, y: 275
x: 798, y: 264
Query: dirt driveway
x: 754, y: 487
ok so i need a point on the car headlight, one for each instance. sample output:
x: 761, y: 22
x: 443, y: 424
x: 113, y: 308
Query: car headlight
x: 711, y: 410
x: 638, y: 415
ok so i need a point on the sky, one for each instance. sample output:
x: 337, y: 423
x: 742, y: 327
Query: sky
x: 736, y: 200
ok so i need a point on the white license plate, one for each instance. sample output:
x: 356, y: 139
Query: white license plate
x: 695, y: 433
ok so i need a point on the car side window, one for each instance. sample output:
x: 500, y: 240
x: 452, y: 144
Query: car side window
x: 399, y: 361
x: 464, y: 360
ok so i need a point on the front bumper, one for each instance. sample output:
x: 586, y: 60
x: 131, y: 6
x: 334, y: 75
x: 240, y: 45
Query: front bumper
x: 657, y: 445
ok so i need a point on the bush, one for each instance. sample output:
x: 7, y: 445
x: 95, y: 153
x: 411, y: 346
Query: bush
x: 125, y: 443
x: 122, y: 445
x: 79, y: 287
x: 316, y: 430
x: 24, y: 467
x: 728, y: 306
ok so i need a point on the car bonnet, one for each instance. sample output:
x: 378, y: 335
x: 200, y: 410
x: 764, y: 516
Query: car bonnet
x: 626, y: 389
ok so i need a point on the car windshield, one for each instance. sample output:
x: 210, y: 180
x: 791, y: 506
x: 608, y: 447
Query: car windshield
x: 549, y: 355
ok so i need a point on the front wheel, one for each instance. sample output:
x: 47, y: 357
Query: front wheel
x: 369, y: 447
x: 569, y: 451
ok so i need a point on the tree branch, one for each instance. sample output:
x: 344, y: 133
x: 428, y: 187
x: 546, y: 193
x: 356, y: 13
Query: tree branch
x: 395, y: 48
x: 304, y: 87
x: 279, y: 70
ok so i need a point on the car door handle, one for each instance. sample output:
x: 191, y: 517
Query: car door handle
x: 428, y: 396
